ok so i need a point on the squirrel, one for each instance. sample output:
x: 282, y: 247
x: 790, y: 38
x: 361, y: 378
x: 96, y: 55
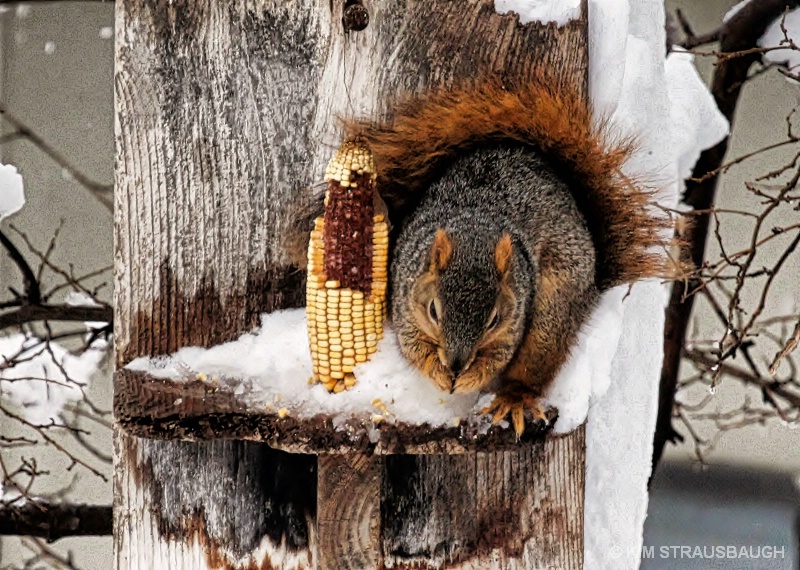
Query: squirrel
x: 512, y: 217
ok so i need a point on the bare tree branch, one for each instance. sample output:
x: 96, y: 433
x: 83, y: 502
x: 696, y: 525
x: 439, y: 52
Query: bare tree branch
x: 30, y: 313
x: 49, y: 439
x: 767, y: 385
x: 787, y: 349
x: 32, y: 292
x: 54, y: 521
x: 740, y: 34
x: 101, y: 192
x: 692, y: 40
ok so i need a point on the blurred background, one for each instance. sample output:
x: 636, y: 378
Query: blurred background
x: 747, y: 493
x: 56, y: 79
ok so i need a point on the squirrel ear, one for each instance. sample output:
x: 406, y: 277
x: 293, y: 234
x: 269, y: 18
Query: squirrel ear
x: 441, y: 251
x: 502, y: 254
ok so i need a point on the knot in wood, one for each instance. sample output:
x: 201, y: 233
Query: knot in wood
x: 355, y: 17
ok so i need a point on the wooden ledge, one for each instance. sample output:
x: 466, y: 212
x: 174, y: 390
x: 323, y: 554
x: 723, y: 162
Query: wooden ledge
x: 154, y: 408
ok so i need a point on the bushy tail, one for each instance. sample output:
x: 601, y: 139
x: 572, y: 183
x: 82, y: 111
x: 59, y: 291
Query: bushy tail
x: 426, y: 133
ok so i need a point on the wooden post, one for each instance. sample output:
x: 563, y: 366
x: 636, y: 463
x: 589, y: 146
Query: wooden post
x: 225, y: 114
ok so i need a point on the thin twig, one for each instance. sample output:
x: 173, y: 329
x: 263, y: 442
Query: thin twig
x: 100, y: 191
x: 32, y: 292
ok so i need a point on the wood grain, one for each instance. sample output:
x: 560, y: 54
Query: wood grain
x: 208, y: 95
x: 349, y: 515
x: 193, y: 410
x: 500, y: 510
x: 217, y: 504
x: 225, y: 117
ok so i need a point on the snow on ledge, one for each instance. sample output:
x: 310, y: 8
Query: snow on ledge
x: 269, y: 368
x: 274, y: 364
x: 544, y: 11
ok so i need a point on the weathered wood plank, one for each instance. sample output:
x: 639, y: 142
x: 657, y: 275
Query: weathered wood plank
x: 349, y: 515
x: 211, y: 99
x: 194, y: 410
x: 500, y: 510
x: 225, y: 117
x: 217, y: 504
x: 205, y: 174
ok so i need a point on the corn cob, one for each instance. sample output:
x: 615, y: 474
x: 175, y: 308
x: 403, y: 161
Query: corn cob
x: 347, y: 270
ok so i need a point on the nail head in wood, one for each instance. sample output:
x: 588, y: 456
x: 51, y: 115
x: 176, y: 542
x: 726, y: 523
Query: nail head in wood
x: 355, y: 17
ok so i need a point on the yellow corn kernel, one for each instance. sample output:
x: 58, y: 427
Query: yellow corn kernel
x: 344, y: 326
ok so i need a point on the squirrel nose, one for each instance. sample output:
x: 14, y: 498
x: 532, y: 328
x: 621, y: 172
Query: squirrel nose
x: 457, y: 365
x: 458, y: 362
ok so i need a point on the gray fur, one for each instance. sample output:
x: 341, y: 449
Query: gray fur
x: 481, y: 196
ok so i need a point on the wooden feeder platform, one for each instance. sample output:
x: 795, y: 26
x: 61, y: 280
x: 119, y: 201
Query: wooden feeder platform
x: 226, y: 114
x: 190, y: 409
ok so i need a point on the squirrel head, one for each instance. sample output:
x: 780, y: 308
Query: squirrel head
x: 468, y: 308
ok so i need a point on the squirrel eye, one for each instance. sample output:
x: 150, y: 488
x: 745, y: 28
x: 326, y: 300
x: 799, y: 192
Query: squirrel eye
x: 493, y: 320
x: 434, y: 315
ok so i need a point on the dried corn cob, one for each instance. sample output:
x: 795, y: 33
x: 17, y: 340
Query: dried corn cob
x: 347, y: 270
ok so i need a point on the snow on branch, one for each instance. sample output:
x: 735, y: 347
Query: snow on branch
x: 45, y: 373
x: 752, y: 34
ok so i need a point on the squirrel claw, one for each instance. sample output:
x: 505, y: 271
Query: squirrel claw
x: 515, y: 404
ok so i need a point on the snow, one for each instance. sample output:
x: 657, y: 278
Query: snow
x: 666, y: 105
x: 586, y: 375
x: 10, y: 495
x: 774, y: 36
x: 41, y: 381
x: 614, y: 370
x: 545, y: 11
x: 37, y: 383
x: 23, y: 10
x: 607, y: 19
x: 696, y: 122
x: 82, y: 299
x: 106, y: 33
x: 275, y: 363
x: 12, y: 193
x: 733, y: 11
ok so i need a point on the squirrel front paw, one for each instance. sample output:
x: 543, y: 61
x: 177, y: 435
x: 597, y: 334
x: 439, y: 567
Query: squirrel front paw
x: 477, y: 376
x: 431, y: 366
x: 514, y: 399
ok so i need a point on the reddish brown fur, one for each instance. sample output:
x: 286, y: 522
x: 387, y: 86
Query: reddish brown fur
x: 429, y: 131
x: 441, y: 250
x: 502, y: 254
